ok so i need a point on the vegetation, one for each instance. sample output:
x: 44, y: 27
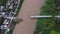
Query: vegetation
x: 57, y: 2
x: 48, y: 25
x: 1, y: 20
x: 0, y: 31
x: 3, y: 2
x: 49, y: 8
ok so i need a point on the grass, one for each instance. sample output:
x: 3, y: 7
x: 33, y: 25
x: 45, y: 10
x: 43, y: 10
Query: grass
x: 48, y: 25
x: 49, y: 8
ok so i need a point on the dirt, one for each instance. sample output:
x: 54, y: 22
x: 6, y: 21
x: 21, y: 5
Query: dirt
x: 29, y: 8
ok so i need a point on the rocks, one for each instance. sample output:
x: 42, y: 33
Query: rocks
x: 18, y: 20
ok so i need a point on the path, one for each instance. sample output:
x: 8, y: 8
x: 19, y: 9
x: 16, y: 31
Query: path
x: 29, y: 8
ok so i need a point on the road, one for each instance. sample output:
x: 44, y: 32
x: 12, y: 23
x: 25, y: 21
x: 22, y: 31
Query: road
x: 29, y: 8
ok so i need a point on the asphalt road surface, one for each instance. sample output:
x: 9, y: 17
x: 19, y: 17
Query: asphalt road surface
x: 29, y: 8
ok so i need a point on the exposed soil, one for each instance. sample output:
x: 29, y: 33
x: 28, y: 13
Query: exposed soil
x: 29, y: 8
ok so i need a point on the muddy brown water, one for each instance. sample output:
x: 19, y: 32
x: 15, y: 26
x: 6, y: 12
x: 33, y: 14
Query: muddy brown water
x: 29, y: 8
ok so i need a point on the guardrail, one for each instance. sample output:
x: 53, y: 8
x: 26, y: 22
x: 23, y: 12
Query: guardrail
x: 44, y: 16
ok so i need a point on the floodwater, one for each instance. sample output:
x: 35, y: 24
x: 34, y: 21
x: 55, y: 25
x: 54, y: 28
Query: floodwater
x: 29, y: 8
